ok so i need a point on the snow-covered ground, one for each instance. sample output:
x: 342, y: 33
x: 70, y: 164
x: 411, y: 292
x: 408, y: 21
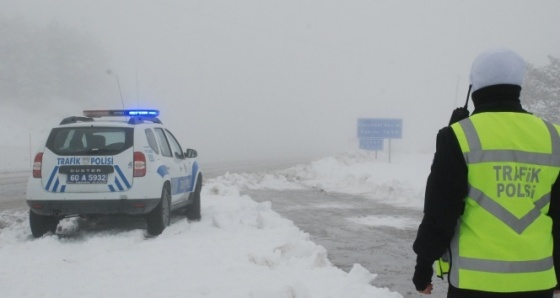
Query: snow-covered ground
x: 240, y: 248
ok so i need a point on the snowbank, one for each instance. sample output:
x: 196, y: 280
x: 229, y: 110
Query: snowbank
x: 240, y: 248
x: 401, y: 182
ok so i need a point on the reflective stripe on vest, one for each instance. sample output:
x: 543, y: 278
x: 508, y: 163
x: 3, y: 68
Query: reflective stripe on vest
x: 516, y: 224
x: 502, y: 270
x: 477, y: 155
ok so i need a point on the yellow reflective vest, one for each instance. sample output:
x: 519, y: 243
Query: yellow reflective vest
x: 503, y: 240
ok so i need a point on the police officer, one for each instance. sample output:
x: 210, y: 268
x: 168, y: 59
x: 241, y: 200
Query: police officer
x: 492, y: 201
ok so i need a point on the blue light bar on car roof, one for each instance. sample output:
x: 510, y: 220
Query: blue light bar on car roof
x: 125, y: 113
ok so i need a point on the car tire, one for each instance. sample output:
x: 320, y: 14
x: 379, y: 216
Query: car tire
x: 160, y: 217
x: 41, y: 224
x: 193, y: 209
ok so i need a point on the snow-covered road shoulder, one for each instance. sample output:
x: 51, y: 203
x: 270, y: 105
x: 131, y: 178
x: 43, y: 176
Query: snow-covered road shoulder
x: 240, y: 248
x: 399, y: 183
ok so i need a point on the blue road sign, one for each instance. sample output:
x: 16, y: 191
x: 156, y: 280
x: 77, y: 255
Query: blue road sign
x: 379, y: 128
x: 371, y: 144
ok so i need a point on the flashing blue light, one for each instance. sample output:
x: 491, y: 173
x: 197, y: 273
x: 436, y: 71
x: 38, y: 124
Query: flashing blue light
x: 147, y: 113
x: 129, y: 113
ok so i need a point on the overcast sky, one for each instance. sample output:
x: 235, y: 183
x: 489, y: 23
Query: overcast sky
x: 282, y: 79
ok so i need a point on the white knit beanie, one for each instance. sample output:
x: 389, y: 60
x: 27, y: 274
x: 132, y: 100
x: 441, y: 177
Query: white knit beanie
x: 497, y: 66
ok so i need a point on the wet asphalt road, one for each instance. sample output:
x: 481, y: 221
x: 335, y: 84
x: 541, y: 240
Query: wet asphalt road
x: 12, y: 191
x: 385, y: 251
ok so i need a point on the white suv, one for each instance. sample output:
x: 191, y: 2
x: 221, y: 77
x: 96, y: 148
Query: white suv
x: 127, y: 164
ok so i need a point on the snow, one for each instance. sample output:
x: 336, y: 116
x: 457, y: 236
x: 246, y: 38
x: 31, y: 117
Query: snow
x: 402, y: 180
x: 240, y: 248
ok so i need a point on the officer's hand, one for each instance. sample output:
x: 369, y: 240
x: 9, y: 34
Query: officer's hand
x: 422, y: 278
x: 428, y: 290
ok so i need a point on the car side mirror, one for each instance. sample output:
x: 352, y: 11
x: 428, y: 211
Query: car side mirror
x: 191, y: 153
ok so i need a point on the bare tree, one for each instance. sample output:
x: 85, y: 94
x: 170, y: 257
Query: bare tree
x: 541, y: 90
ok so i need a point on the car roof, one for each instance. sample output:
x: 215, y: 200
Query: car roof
x: 113, y: 117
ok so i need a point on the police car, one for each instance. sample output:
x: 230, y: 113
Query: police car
x: 113, y: 162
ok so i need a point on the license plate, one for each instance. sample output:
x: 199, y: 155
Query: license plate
x: 87, y: 178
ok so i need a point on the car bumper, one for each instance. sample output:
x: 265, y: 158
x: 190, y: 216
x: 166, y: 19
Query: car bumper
x: 92, y: 207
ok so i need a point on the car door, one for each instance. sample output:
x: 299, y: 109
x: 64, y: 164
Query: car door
x: 170, y: 164
x: 181, y: 186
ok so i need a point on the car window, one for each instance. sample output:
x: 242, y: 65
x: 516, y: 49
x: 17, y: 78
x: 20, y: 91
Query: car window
x: 90, y: 140
x: 152, y: 140
x: 177, y: 151
x: 165, y: 149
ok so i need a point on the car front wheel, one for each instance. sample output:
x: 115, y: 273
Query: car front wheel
x: 193, y: 209
x: 160, y: 217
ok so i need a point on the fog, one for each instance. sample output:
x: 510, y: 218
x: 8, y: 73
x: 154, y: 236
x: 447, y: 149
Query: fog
x: 258, y: 79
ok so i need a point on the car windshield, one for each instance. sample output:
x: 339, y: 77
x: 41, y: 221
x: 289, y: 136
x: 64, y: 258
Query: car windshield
x: 90, y: 140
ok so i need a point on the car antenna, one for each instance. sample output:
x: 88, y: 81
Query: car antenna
x: 120, y: 91
x: 137, y: 92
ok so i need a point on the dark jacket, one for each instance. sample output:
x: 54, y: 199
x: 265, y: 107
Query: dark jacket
x: 447, y: 186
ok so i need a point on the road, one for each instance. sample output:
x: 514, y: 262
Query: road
x: 12, y: 190
x: 385, y: 251
x: 13, y: 184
